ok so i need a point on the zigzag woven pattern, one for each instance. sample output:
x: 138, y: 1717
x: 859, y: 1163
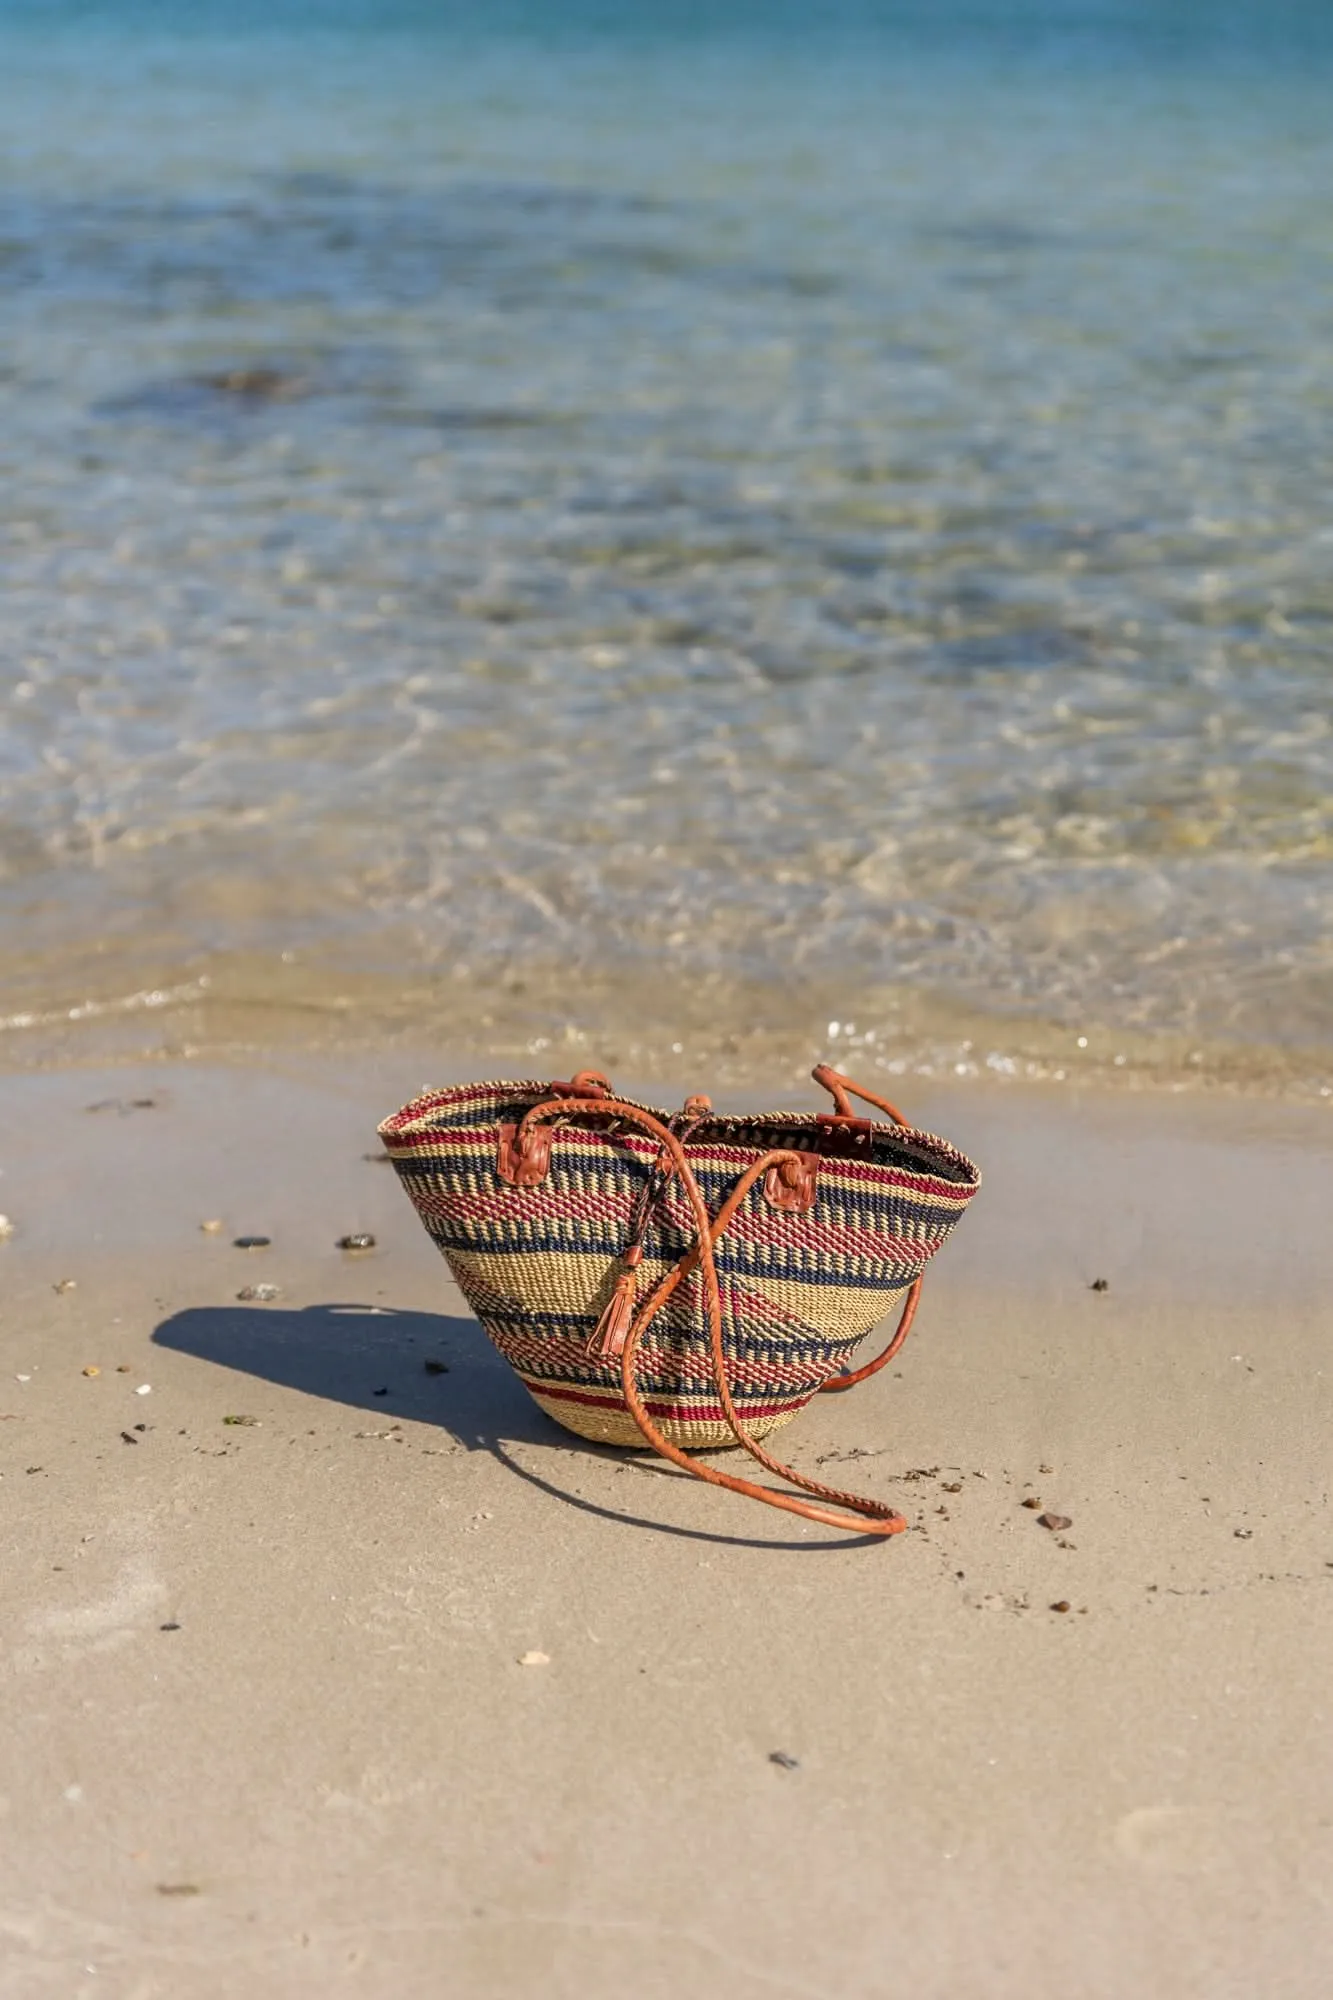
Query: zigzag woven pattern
x: 799, y: 1288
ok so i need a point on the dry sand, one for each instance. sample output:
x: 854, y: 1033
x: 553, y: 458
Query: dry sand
x: 265, y: 1727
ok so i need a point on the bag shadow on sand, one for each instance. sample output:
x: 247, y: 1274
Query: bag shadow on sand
x: 427, y: 1368
x: 345, y: 1352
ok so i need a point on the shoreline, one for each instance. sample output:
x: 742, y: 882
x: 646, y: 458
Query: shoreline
x: 263, y: 1676
x: 65, y: 1127
x: 247, y: 1011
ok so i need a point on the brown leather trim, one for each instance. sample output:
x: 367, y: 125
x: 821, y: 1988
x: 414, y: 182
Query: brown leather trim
x: 588, y: 1083
x: 845, y: 1138
x: 839, y: 1087
x: 879, y: 1517
x: 791, y: 1183
x: 526, y: 1164
x: 882, y: 1359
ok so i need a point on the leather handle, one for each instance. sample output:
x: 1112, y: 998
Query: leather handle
x: 879, y: 1517
x: 838, y: 1085
x: 852, y: 1376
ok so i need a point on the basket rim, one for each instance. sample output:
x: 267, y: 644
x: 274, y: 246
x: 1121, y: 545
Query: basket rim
x: 413, y: 1121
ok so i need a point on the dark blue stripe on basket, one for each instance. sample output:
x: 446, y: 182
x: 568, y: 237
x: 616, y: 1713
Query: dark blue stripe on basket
x: 716, y: 1179
x: 800, y: 1345
x: 735, y: 1258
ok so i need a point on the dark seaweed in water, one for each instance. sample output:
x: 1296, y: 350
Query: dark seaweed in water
x: 258, y: 385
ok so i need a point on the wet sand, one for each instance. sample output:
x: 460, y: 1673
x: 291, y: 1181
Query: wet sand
x: 265, y: 1722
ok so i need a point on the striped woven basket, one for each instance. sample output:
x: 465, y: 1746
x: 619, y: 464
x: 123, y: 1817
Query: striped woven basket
x: 690, y: 1280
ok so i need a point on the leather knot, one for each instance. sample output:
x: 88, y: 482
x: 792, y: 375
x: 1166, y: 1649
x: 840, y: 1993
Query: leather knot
x: 523, y: 1155
x: 791, y: 1183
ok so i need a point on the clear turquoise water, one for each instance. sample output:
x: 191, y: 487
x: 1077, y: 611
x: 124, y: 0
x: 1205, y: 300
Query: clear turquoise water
x: 834, y: 517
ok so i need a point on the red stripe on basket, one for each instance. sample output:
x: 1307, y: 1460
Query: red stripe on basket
x: 797, y: 1378
x: 838, y: 1241
x: 681, y: 1410
x: 485, y: 1139
x: 539, y: 1205
x: 477, y: 1137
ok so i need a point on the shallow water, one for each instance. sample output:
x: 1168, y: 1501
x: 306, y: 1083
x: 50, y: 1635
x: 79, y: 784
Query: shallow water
x: 689, y: 531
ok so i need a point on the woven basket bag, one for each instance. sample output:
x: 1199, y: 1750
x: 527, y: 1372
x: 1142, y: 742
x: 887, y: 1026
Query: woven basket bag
x: 687, y: 1280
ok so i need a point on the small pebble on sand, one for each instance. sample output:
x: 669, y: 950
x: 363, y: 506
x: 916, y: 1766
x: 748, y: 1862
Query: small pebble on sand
x: 92, y: 1370
x: 784, y: 1760
x: 251, y: 1242
x: 65, y: 1285
x: 360, y: 1239
x: 1061, y: 1604
x: 1100, y: 1285
x: 1033, y: 1500
x: 534, y: 1659
x: 1057, y: 1523
x: 6, y: 1227
x: 144, y: 1389
x: 262, y: 1293
x: 213, y: 1227
x: 436, y: 1367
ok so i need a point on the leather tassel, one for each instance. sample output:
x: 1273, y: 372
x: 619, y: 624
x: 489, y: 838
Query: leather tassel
x: 608, y: 1339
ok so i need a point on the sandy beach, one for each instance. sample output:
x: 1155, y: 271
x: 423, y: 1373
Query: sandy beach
x: 274, y: 1569
x: 689, y: 541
